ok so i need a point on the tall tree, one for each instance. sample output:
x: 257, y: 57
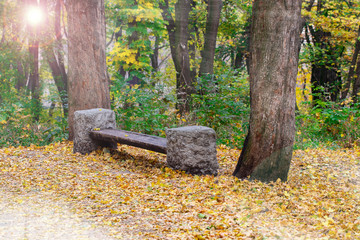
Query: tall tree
x: 34, y: 81
x: 351, y: 74
x: 330, y: 29
x: 212, y: 25
x: 179, y: 35
x: 55, y: 54
x: 274, y: 42
x: 88, y: 81
x: 182, y: 49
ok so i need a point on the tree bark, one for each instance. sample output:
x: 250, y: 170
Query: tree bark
x: 212, y: 25
x: 88, y: 82
x: 356, y: 84
x: 178, y: 31
x: 274, y: 40
x: 184, y: 82
x: 55, y: 59
x: 34, y: 81
x: 351, y: 73
x: 60, y: 79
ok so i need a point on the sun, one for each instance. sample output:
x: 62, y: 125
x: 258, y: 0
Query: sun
x: 34, y: 16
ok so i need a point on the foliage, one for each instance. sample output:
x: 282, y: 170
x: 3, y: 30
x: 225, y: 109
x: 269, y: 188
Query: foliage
x: 221, y: 102
x: 328, y: 123
x: 233, y: 31
x: 133, y: 195
x: 147, y: 109
x: 136, y: 25
x: 18, y: 129
x: 329, y: 39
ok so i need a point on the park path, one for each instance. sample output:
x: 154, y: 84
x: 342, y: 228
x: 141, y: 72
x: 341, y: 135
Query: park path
x: 34, y: 217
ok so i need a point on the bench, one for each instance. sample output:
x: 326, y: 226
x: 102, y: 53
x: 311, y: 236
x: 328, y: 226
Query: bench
x: 191, y: 149
x: 152, y: 143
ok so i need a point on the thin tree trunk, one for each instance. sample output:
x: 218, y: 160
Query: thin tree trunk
x: 193, y: 38
x: 34, y: 82
x: 55, y: 59
x: 88, y: 82
x: 351, y: 73
x: 212, y: 25
x: 274, y: 42
x: 178, y: 31
x: 133, y: 38
x: 59, y: 79
x: 22, y: 76
x: 356, y: 85
x: 155, y: 55
x: 184, y: 82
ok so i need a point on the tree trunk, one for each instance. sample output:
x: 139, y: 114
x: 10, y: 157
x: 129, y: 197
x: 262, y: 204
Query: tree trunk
x: 55, y: 59
x: 155, y: 56
x: 21, y: 77
x: 325, y: 77
x: 132, y: 40
x: 59, y: 79
x: 34, y: 83
x: 212, y: 25
x: 184, y: 82
x: 178, y: 31
x: 351, y: 73
x: 325, y: 82
x: 274, y: 40
x: 88, y: 82
x: 356, y: 84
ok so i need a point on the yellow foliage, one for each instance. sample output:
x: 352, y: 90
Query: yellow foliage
x: 319, y: 201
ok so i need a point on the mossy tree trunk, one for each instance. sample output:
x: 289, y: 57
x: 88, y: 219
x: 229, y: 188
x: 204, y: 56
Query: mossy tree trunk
x: 274, y: 43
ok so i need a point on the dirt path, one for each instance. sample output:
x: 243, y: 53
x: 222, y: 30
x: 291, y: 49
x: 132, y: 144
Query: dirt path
x: 35, y: 217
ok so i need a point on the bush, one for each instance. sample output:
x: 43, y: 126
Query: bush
x: 147, y: 109
x: 330, y: 124
x: 221, y: 102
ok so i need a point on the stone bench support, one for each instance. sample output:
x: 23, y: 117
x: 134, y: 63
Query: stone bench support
x: 191, y: 149
x: 88, y: 120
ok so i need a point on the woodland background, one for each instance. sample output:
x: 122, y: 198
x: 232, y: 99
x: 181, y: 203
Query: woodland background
x: 131, y: 192
x: 143, y: 80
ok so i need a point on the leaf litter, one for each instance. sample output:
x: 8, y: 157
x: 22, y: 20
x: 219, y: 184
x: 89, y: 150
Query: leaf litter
x: 132, y: 193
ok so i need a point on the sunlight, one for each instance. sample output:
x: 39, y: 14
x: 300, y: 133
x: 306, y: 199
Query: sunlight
x: 34, y: 15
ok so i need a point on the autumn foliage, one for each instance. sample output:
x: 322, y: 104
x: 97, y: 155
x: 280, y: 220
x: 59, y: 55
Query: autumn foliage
x: 134, y: 195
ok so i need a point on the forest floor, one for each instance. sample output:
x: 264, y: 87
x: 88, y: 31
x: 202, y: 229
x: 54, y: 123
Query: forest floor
x: 50, y: 193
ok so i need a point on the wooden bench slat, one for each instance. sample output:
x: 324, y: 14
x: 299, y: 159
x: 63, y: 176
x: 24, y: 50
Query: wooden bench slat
x: 153, y: 143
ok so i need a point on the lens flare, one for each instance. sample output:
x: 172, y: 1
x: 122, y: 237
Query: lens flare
x: 34, y: 16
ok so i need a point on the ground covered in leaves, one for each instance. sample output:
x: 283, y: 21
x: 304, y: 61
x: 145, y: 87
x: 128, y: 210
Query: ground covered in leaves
x: 135, y: 196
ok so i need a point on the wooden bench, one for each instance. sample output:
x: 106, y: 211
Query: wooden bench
x: 149, y: 142
x: 191, y: 149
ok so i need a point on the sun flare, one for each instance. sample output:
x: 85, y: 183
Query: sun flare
x: 34, y: 16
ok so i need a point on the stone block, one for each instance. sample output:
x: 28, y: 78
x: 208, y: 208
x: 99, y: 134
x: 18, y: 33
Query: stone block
x: 192, y: 149
x: 87, y: 120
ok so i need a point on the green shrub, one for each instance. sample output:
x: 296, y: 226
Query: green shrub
x: 147, y: 109
x: 329, y: 124
x: 221, y: 102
